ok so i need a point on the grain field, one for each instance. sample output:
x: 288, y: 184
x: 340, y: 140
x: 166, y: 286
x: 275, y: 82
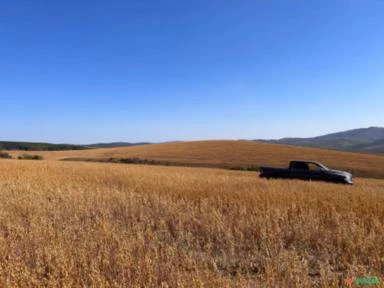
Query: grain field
x: 65, y: 224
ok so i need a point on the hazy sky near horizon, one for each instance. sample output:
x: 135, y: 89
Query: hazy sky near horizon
x: 101, y: 71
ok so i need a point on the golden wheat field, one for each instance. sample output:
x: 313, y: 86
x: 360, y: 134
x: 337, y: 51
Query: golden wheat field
x: 74, y: 224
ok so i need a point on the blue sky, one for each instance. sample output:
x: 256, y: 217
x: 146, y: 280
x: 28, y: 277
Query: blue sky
x: 149, y: 70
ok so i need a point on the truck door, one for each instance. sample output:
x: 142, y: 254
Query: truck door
x: 315, y: 172
x: 299, y: 170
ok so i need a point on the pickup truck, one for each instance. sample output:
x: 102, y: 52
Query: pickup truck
x: 307, y: 170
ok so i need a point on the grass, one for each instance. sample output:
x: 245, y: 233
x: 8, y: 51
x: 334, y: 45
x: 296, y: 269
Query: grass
x: 74, y: 224
x: 231, y: 154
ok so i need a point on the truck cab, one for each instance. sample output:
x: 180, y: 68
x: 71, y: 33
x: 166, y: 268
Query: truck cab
x: 306, y: 170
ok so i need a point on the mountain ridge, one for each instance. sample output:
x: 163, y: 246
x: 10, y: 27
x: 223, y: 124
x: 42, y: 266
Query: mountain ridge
x: 369, y: 139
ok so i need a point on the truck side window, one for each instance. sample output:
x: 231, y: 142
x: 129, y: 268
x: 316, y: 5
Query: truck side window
x: 301, y: 166
x: 313, y: 167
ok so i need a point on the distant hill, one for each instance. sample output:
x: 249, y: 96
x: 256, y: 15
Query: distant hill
x: 28, y: 146
x: 115, y: 144
x: 376, y: 146
x: 364, y: 139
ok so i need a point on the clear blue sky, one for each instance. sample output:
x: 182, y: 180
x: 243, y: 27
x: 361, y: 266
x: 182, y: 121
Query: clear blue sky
x: 150, y: 70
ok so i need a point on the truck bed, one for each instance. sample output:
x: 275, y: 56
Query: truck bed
x: 271, y: 172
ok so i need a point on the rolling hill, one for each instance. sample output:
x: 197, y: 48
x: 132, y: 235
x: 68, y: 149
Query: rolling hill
x: 364, y: 139
x: 229, y: 154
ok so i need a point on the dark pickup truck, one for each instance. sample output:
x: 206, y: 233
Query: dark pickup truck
x: 307, y: 170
